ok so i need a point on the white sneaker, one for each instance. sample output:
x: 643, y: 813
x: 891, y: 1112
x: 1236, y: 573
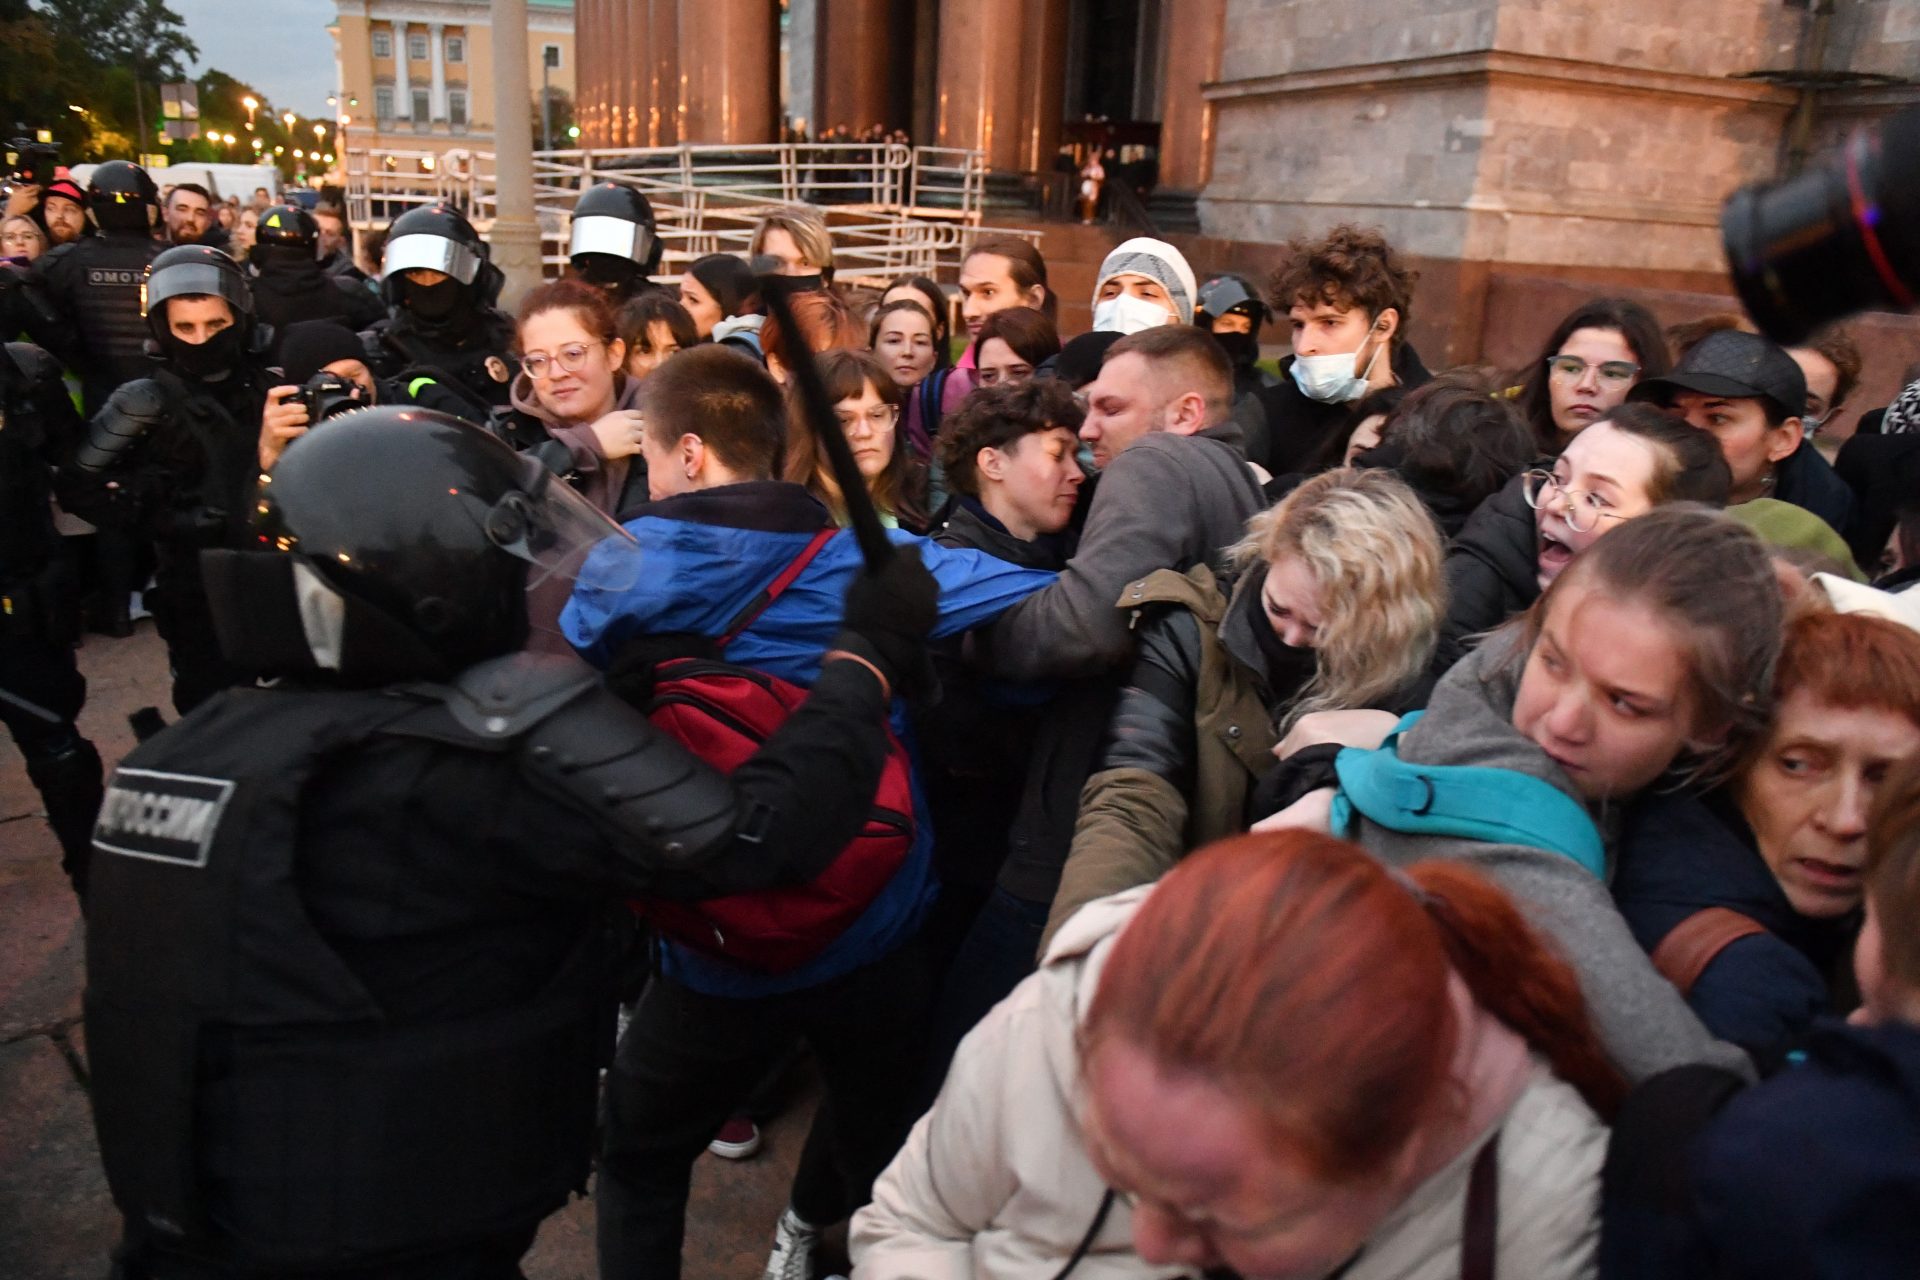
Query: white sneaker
x: 793, y: 1244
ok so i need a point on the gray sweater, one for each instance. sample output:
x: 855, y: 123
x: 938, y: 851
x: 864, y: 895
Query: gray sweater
x: 1167, y: 502
x: 1644, y: 1023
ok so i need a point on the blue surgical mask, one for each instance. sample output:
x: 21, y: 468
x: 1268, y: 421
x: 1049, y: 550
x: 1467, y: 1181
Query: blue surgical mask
x: 1331, y: 379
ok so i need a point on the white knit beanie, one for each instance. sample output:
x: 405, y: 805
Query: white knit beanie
x: 1156, y: 260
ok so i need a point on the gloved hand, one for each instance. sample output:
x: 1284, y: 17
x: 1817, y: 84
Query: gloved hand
x: 888, y: 616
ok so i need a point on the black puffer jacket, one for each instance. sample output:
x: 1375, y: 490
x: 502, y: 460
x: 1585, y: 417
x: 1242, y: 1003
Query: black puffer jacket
x: 1492, y: 571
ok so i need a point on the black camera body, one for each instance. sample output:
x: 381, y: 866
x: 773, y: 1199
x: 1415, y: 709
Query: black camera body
x: 31, y: 162
x: 327, y: 394
x: 1843, y: 236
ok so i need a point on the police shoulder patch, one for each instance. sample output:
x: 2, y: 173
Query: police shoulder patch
x: 164, y: 817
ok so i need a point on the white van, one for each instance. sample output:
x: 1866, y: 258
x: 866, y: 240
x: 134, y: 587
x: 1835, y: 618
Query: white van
x: 222, y: 180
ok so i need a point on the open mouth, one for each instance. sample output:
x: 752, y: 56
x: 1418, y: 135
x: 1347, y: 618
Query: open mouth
x: 1554, y: 556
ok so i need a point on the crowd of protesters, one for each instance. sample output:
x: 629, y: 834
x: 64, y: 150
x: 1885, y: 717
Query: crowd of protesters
x: 1352, y: 819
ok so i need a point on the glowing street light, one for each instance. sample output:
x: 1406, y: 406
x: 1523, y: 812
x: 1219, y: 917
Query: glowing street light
x: 252, y: 104
x: 298, y: 154
x: 257, y: 144
x: 289, y: 118
x: 319, y: 131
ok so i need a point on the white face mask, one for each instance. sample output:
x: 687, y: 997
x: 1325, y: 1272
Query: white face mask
x: 1128, y: 314
x: 1331, y: 379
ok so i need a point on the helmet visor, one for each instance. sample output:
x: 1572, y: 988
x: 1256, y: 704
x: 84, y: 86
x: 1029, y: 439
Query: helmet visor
x: 199, y: 279
x: 431, y: 253
x: 615, y: 237
x: 563, y: 536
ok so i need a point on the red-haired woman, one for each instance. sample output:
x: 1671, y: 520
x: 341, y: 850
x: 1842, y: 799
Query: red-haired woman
x: 1285, y: 1060
x: 1748, y: 896
x: 573, y: 385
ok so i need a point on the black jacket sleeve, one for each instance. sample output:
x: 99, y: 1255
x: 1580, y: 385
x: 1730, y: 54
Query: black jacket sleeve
x: 1491, y: 571
x: 1152, y: 726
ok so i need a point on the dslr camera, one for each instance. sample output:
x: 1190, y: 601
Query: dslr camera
x: 327, y: 394
x: 31, y: 162
x: 1841, y: 237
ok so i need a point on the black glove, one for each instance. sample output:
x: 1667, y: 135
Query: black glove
x: 889, y: 614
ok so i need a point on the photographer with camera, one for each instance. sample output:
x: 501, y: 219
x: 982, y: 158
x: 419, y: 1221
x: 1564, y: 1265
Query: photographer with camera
x: 323, y: 371
x: 172, y: 457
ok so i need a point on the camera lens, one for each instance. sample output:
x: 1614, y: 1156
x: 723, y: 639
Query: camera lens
x: 1838, y: 239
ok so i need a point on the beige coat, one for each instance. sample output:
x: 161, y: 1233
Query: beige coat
x: 995, y: 1184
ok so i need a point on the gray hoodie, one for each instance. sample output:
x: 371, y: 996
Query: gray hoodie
x: 1644, y: 1023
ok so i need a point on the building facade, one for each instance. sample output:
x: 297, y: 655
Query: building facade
x: 417, y: 75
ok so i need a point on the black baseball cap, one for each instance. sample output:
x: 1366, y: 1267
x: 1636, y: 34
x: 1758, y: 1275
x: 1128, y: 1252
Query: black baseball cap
x: 1736, y: 365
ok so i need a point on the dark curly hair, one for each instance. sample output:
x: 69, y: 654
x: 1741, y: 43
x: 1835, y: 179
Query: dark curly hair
x: 999, y: 418
x: 1348, y: 267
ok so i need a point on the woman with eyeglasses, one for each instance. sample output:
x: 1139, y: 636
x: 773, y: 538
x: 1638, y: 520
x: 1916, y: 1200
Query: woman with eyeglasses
x: 867, y: 401
x: 1591, y: 360
x: 1589, y: 363
x: 1621, y: 466
x: 573, y: 388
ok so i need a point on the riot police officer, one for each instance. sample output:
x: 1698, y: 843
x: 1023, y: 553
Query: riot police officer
x: 92, y: 322
x: 1231, y: 309
x: 289, y: 284
x: 41, y: 689
x: 442, y: 323
x: 173, y: 456
x: 361, y: 1038
x: 612, y: 242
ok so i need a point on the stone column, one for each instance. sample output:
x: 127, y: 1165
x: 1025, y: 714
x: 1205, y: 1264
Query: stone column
x: 806, y: 23
x: 728, y: 79
x: 437, y: 87
x: 1186, y: 118
x: 856, y: 42
x: 620, y: 78
x: 985, y: 98
x: 515, y: 236
x: 664, y: 123
x: 589, y: 89
x: 1044, y: 78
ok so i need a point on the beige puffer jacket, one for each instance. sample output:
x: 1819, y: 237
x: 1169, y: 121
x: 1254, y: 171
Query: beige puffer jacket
x: 994, y: 1183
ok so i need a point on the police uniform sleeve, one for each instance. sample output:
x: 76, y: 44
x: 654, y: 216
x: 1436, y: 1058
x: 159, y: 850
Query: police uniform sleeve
x: 678, y: 829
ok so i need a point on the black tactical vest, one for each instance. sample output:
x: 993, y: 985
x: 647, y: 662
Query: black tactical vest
x: 97, y: 285
x: 254, y: 1103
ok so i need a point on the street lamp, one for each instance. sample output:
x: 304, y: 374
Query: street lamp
x: 288, y: 117
x: 252, y: 104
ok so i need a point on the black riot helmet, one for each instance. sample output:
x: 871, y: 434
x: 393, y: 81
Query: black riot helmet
x: 612, y: 242
x: 414, y: 539
x: 1230, y: 293
x: 289, y: 232
x: 122, y: 197
x: 438, y: 238
x: 193, y: 271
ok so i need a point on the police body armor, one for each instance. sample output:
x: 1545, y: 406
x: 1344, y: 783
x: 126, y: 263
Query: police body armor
x: 254, y: 1104
x: 96, y: 282
x: 476, y: 376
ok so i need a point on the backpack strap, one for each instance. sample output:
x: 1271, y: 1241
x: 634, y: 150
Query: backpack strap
x: 1480, y: 1237
x: 772, y: 591
x: 1690, y: 946
x: 1499, y: 806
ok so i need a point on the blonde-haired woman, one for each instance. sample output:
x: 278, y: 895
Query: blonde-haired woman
x: 799, y: 240
x: 1337, y: 605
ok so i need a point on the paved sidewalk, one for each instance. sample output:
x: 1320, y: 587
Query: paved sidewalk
x: 56, y: 1219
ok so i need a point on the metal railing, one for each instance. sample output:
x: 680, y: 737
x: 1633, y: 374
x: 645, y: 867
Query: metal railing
x: 893, y: 208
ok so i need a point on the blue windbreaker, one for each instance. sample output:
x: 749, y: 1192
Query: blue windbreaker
x: 698, y: 577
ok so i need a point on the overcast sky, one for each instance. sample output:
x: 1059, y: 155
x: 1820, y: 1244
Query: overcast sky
x: 280, y: 47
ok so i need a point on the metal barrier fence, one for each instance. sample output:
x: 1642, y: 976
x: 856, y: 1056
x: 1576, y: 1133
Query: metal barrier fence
x: 893, y: 208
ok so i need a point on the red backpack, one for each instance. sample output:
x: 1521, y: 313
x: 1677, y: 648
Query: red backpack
x: 723, y: 713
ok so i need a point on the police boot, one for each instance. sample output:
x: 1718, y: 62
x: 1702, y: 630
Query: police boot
x: 70, y: 787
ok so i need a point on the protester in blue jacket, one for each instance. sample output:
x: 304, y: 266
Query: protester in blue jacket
x: 718, y: 531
